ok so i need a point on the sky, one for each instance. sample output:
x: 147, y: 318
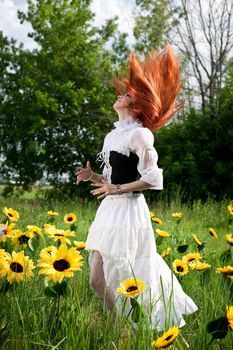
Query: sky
x: 103, y: 9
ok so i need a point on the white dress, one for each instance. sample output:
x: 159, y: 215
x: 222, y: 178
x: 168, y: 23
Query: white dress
x: 123, y: 234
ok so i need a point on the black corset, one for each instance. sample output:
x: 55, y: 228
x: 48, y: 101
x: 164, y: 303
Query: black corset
x: 124, y: 168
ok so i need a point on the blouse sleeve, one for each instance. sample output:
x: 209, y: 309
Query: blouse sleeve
x: 141, y: 142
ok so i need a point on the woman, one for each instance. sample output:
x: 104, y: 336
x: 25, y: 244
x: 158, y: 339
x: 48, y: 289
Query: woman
x: 121, y: 238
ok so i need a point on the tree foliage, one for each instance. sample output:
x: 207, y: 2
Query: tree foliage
x: 57, y: 100
x: 152, y: 24
x: 196, y: 153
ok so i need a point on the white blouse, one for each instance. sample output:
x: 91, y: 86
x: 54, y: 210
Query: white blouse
x: 130, y: 136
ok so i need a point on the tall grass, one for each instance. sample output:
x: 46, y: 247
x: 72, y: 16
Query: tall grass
x: 31, y: 320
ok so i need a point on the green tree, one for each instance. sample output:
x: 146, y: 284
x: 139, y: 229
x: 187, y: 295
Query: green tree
x: 58, y: 99
x: 196, y: 153
x: 152, y: 24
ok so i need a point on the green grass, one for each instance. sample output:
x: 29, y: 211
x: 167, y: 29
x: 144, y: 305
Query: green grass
x: 30, y: 320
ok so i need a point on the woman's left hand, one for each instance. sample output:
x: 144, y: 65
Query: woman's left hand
x: 104, y: 188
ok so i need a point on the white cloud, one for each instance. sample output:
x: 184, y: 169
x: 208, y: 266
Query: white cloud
x: 11, y: 27
x: 108, y: 9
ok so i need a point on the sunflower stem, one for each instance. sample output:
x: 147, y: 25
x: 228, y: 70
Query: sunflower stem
x: 130, y: 311
x: 58, y: 309
x: 123, y: 308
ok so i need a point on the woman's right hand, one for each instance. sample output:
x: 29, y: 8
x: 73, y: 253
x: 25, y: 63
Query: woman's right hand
x: 83, y: 174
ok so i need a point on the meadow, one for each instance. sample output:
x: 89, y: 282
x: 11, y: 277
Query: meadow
x: 34, y: 315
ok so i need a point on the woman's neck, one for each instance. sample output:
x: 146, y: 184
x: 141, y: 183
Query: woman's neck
x: 123, y: 114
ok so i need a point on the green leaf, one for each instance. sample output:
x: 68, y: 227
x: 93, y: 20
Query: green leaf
x: 218, y: 328
x: 5, y: 286
x: 57, y: 289
x: 182, y: 248
x: 138, y: 312
x: 159, y: 240
x: 30, y: 245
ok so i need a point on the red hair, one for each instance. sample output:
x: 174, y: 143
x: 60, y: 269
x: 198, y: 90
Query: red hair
x: 154, y: 85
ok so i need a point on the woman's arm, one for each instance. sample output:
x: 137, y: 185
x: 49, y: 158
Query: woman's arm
x: 141, y: 142
x: 86, y: 174
x: 105, y: 188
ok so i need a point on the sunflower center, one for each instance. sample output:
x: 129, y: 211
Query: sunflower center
x: 169, y: 337
x: 9, y: 214
x: 69, y: 218
x: 61, y: 265
x: 23, y: 239
x: 131, y: 289
x: 191, y: 259
x: 180, y: 269
x: 16, y: 267
x: 59, y: 234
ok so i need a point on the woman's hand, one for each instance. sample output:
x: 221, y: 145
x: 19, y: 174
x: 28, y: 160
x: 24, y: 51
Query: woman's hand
x: 104, y: 188
x: 83, y: 174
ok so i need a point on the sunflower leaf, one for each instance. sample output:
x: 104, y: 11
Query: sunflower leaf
x: 159, y: 240
x: 73, y: 227
x: 200, y: 247
x: 182, y: 248
x: 58, y: 289
x: 5, y: 287
x: 138, y: 312
x: 218, y: 328
x: 30, y: 246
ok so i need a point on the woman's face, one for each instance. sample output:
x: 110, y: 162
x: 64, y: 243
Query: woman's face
x: 123, y: 102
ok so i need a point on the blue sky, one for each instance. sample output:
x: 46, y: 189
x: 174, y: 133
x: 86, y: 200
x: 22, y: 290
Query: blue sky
x: 103, y: 9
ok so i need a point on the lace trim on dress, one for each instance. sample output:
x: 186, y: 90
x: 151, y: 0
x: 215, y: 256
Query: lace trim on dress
x: 127, y: 124
x: 112, y: 141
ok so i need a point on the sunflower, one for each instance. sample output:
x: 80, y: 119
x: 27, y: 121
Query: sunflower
x: 177, y: 215
x: 79, y: 245
x: 131, y: 287
x: 48, y: 226
x: 17, y: 267
x: 5, y: 231
x: 2, y: 253
x: 197, y: 265
x: 20, y: 238
x: 48, y: 250
x: 3, y: 262
x: 61, y: 263
x: 166, y: 252
x: 196, y: 239
x: 180, y: 267
x: 70, y: 218
x: 229, y: 238
x: 230, y: 209
x: 212, y: 232
x: 191, y: 257
x: 12, y: 214
x: 35, y: 230
x: 52, y: 213
x: 157, y: 220
x: 162, y: 233
x: 226, y: 271
x: 167, y: 338
x: 230, y: 316
x: 152, y: 214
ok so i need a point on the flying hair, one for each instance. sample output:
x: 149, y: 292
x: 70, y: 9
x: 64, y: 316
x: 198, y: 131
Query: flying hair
x: 154, y: 84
